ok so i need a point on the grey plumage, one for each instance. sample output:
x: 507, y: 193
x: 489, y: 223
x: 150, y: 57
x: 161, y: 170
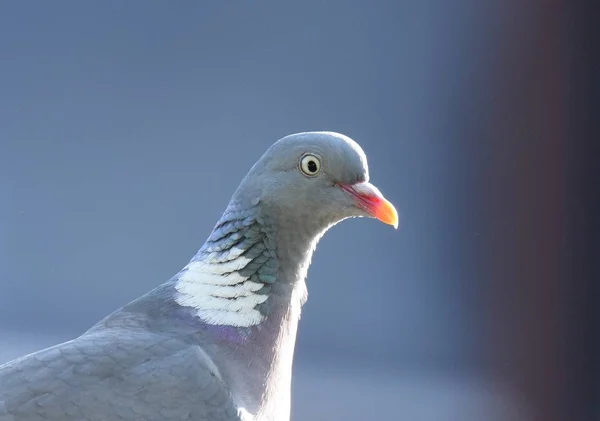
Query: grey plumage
x: 100, y: 375
x: 216, y: 341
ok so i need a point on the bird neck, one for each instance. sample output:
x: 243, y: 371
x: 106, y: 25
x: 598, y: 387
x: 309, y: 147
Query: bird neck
x: 247, y: 272
x: 247, y: 285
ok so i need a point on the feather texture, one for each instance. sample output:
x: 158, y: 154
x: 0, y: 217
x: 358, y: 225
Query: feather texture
x: 226, y: 282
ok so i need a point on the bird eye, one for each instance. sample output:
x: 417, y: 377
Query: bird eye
x: 310, y: 165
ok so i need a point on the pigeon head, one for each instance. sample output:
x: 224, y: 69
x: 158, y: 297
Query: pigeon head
x: 314, y: 180
x: 258, y: 254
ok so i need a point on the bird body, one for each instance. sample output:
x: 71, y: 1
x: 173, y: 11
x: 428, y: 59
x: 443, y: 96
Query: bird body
x: 216, y: 341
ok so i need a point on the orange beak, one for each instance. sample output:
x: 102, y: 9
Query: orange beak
x: 371, y: 200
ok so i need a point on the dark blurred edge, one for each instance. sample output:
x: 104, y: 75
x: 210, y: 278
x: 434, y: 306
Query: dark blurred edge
x: 543, y: 199
x: 584, y: 173
x: 584, y: 214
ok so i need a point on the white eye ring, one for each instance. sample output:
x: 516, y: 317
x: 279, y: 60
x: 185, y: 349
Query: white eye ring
x: 310, y: 164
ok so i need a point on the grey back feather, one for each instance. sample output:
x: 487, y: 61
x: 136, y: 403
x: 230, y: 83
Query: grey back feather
x: 115, y: 375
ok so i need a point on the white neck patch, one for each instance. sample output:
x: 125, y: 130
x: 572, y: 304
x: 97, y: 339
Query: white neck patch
x: 220, y: 295
x: 229, y: 279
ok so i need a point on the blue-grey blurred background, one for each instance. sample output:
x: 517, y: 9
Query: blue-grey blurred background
x: 126, y: 126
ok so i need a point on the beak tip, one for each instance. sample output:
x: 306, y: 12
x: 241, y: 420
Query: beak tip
x: 394, y: 222
x: 389, y: 214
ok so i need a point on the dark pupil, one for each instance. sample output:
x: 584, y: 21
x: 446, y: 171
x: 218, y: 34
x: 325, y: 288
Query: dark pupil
x: 312, y: 166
